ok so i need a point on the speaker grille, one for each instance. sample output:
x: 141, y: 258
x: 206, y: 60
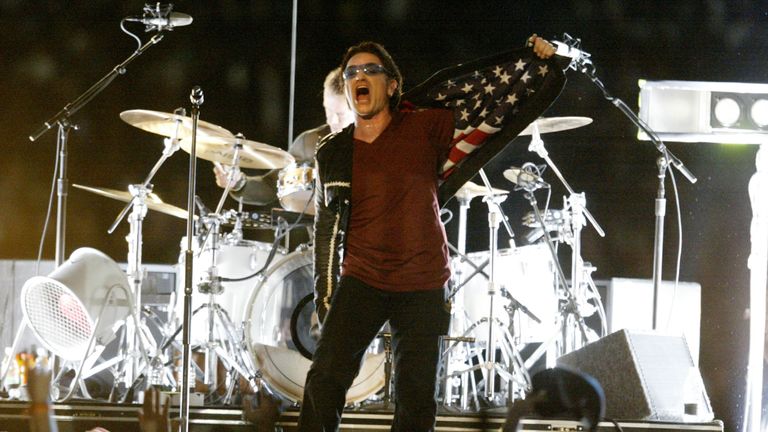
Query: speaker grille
x: 643, y: 374
x: 57, y: 317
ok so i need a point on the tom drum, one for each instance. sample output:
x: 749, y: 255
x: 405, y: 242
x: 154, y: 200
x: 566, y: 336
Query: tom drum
x: 231, y: 260
x: 526, y: 273
x: 295, y: 187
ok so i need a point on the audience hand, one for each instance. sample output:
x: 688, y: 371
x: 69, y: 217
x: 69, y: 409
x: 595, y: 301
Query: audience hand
x: 39, y: 388
x: 153, y: 415
x: 262, y: 409
x: 38, y: 382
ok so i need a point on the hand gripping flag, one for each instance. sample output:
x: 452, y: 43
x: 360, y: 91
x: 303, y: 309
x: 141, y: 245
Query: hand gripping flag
x: 493, y: 99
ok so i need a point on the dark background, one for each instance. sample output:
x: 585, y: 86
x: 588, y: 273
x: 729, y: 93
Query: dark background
x: 239, y: 53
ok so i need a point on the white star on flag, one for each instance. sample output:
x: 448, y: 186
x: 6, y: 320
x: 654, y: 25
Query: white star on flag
x: 484, y: 96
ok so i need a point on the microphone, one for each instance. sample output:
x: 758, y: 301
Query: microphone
x: 176, y: 19
x: 159, y: 17
x: 528, y: 177
x: 571, y: 49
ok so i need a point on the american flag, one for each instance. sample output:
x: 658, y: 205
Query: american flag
x: 487, y: 95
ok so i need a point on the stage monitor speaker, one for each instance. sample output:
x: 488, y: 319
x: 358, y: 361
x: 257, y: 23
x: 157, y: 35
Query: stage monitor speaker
x: 645, y: 376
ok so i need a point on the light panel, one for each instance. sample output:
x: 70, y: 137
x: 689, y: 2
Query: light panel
x: 700, y: 111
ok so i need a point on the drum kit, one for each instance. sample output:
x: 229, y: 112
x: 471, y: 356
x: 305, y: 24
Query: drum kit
x: 248, y: 320
x: 253, y: 323
x: 506, y: 301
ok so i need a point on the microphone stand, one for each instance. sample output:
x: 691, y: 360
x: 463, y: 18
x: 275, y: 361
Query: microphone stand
x: 568, y: 311
x: 581, y: 62
x: 196, y: 97
x: 62, y: 119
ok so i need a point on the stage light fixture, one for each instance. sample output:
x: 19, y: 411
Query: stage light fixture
x: 85, y: 298
x: 699, y: 111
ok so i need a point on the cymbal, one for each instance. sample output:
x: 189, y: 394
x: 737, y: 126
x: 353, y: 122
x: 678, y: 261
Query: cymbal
x: 556, y: 124
x: 153, y: 201
x: 252, y: 155
x: 470, y: 190
x: 165, y: 124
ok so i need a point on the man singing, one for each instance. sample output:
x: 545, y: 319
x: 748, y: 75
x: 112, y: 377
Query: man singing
x: 377, y: 201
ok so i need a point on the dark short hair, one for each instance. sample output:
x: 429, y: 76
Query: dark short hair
x: 386, y: 60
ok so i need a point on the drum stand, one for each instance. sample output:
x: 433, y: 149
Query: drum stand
x: 579, y: 215
x: 137, y: 336
x: 511, y: 369
x: 455, y: 355
x: 222, y: 340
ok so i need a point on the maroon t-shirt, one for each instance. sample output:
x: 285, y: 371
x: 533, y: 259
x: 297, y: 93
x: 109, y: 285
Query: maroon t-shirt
x: 395, y: 240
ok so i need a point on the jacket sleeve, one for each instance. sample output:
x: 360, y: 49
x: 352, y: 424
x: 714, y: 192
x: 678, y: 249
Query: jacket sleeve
x: 326, y: 258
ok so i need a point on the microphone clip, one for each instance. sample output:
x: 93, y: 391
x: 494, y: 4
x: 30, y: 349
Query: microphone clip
x: 571, y: 48
x: 159, y: 17
x: 529, y: 178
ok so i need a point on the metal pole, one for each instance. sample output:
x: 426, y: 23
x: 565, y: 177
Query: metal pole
x: 196, y: 97
x: 292, y: 96
x: 658, y: 238
x: 61, y: 193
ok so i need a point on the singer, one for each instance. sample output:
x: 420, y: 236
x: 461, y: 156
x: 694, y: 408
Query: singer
x: 395, y: 262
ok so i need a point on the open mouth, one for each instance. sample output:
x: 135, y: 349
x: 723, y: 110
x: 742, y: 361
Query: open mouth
x: 362, y: 91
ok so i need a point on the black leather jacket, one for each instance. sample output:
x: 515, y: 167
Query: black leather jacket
x: 333, y: 160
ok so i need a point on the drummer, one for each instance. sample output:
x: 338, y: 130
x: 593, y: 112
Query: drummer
x: 261, y: 189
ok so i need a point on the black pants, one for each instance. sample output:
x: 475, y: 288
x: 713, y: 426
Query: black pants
x: 358, y: 311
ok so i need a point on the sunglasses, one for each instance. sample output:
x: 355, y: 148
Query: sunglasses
x: 368, y: 69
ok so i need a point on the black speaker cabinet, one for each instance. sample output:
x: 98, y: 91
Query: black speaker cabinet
x: 645, y: 376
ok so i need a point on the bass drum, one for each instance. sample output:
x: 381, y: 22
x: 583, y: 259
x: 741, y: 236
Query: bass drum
x: 268, y: 332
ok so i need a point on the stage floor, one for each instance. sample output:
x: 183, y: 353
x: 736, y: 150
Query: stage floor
x: 82, y: 416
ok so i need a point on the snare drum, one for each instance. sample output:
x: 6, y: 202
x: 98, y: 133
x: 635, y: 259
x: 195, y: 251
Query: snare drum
x: 295, y: 184
x: 268, y: 332
x: 231, y: 260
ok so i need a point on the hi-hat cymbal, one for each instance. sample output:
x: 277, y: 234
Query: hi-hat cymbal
x: 556, y: 124
x: 153, y: 201
x: 165, y: 124
x: 252, y: 154
x: 470, y: 190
